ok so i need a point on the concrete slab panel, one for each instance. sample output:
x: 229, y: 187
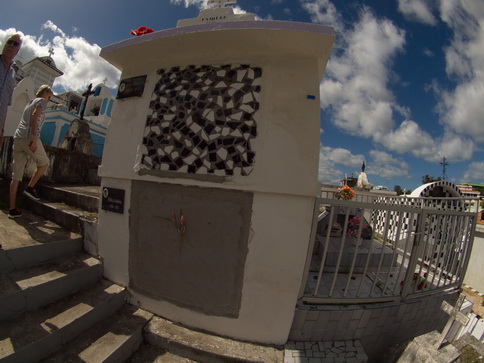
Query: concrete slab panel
x: 208, y: 253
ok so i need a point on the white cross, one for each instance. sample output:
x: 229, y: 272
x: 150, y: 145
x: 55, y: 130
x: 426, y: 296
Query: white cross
x: 220, y: 3
x: 455, y: 315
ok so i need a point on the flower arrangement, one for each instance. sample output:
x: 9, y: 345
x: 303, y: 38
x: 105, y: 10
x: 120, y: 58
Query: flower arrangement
x: 419, y: 281
x: 354, y: 225
x: 345, y: 193
x: 142, y: 30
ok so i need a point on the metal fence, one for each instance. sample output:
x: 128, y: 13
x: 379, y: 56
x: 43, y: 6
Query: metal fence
x: 387, y: 248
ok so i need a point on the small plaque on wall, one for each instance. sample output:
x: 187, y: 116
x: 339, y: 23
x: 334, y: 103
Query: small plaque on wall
x: 131, y: 87
x: 113, y: 200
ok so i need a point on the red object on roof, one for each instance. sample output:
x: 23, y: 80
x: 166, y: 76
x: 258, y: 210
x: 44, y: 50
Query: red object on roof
x: 142, y: 30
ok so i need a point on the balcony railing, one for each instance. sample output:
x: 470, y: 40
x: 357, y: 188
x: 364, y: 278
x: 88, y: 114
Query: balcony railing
x: 375, y: 249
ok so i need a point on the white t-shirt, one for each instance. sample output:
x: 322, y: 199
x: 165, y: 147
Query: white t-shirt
x: 24, y: 129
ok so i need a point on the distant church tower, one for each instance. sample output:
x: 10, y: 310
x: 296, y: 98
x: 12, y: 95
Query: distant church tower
x: 42, y: 70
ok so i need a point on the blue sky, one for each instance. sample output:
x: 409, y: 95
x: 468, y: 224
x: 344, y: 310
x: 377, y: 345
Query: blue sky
x: 403, y: 87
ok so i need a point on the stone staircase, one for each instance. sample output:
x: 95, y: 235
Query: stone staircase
x: 55, y: 305
x: 70, y: 206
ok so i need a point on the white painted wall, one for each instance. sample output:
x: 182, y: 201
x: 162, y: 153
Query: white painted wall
x: 22, y: 94
x: 288, y: 122
x: 113, y: 235
x: 475, y: 273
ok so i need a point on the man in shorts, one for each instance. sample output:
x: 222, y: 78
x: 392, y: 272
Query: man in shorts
x: 27, y: 145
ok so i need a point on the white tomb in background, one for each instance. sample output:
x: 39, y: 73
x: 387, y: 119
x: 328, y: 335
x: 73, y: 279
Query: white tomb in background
x: 209, y: 172
x: 443, y: 237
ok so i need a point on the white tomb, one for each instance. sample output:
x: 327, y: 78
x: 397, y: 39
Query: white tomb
x: 209, y: 172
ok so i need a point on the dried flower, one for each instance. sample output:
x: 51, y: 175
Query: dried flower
x: 179, y: 226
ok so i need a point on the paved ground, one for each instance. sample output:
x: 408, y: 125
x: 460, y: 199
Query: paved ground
x: 29, y: 229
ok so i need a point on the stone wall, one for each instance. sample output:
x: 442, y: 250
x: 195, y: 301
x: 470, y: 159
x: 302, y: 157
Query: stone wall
x: 377, y: 326
x: 67, y: 167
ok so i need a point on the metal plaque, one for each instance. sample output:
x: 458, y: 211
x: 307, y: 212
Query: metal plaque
x: 113, y: 200
x: 131, y: 87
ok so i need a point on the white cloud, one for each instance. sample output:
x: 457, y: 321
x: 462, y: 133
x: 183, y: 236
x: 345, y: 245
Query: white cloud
x: 418, y: 10
x: 356, y: 90
x: 328, y: 173
x: 456, y: 147
x: 382, y: 164
x: 202, y: 4
x: 323, y: 12
x: 387, y: 166
x: 239, y: 10
x: 428, y: 52
x: 187, y: 3
x: 328, y: 159
x: 54, y: 28
x: 474, y: 173
x: 356, y: 84
x: 460, y: 108
x: 75, y: 56
x: 409, y: 137
x: 342, y: 156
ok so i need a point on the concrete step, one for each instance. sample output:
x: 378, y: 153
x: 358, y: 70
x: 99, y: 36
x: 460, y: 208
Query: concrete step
x: 35, y: 335
x: 202, y: 347
x: 18, y: 258
x: 31, y: 288
x: 84, y: 197
x: 70, y: 218
x: 30, y: 229
x: 114, y: 339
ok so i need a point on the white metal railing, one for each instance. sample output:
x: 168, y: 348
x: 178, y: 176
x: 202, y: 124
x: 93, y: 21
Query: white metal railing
x: 387, y: 248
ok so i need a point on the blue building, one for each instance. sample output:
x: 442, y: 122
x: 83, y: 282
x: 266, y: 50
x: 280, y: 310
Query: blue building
x: 63, y: 108
x: 97, y: 114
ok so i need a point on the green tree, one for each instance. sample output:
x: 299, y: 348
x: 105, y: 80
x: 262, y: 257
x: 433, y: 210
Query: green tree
x: 398, y: 189
x: 429, y: 179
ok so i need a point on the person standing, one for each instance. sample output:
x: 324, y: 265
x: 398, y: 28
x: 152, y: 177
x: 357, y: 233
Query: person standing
x: 7, y: 77
x: 26, y: 143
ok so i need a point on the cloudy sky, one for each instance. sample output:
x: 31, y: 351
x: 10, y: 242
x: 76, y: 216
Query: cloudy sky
x: 403, y: 87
